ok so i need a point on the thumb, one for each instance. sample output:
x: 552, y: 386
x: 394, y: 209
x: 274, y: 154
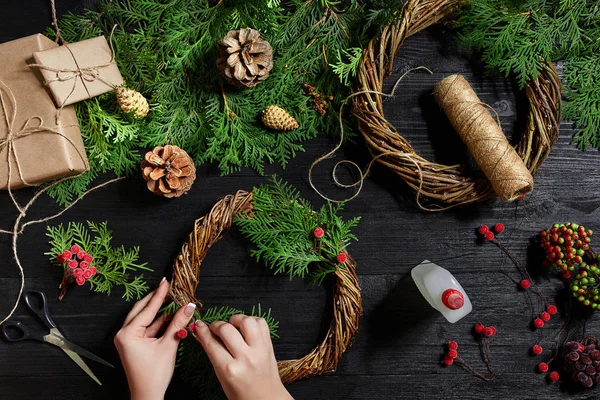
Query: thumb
x: 180, y: 321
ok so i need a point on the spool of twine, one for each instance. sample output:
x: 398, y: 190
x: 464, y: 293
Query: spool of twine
x: 484, y: 138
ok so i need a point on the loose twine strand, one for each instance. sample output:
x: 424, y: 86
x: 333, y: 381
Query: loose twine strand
x: 7, y: 98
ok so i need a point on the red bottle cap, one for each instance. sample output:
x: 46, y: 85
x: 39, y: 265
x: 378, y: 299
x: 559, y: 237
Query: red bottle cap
x: 453, y: 299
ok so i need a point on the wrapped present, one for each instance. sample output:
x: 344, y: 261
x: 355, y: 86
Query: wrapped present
x: 78, y: 71
x: 36, y: 144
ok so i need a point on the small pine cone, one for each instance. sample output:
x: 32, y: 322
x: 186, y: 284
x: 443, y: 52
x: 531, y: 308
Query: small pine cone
x: 131, y: 100
x: 245, y: 58
x: 168, y: 171
x: 277, y: 118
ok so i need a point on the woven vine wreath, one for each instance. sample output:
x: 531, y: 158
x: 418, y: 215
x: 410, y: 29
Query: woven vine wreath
x: 347, y: 300
x: 446, y: 185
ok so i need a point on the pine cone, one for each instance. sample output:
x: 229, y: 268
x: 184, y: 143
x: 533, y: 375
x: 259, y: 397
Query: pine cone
x: 277, y: 118
x: 168, y: 171
x: 245, y: 58
x: 131, y: 100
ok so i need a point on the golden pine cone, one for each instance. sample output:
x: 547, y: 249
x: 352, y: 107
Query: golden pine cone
x: 168, y: 171
x: 277, y: 118
x: 245, y: 58
x: 131, y: 100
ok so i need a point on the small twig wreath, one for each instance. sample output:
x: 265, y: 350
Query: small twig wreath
x: 446, y: 185
x: 347, y: 300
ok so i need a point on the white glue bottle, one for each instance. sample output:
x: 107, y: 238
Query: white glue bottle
x: 441, y: 290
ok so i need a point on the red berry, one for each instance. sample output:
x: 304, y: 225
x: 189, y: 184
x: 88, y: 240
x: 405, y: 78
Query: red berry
x: 478, y: 328
x: 538, y: 323
x: 543, y: 367
x: 551, y: 309
x: 77, y: 272
x: 488, y: 332
x: 525, y: 284
x: 182, y: 334
x: 452, y: 345
x: 452, y: 353
x: 493, y: 328
x: 341, y: 258
x: 192, y: 327
x: 319, y: 232
x: 87, y: 274
x: 75, y: 249
x: 553, y: 376
x: 537, y: 350
x: 489, y: 235
x: 84, y: 264
x: 545, y: 316
x: 521, y: 197
x: 93, y: 270
x: 80, y: 280
x: 499, y: 228
x: 81, y: 254
x: 448, y: 361
x: 73, y: 264
x: 483, y: 229
x: 88, y: 258
x: 566, y: 274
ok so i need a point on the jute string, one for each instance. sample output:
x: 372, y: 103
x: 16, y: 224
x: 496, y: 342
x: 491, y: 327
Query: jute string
x: 363, y: 174
x: 498, y: 160
x: 9, y: 108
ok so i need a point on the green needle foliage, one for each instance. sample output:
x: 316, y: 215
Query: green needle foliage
x: 281, y: 225
x: 166, y: 50
x: 115, y: 266
x: 192, y: 362
x: 517, y: 36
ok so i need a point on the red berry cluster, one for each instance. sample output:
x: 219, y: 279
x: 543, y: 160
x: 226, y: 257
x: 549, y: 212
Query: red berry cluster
x: 544, y: 316
x: 488, y: 234
x: 451, y: 354
x: 565, y: 247
x: 319, y: 232
x: 582, y: 360
x: 78, y: 263
x: 485, y: 331
x: 543, y: 367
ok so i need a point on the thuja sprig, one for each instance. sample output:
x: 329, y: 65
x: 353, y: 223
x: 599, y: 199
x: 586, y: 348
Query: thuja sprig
x: 291, y: 237
x: 111, y: 266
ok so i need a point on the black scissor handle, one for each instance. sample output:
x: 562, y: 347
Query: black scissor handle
x: 15, y: 331
x: 38, y: 303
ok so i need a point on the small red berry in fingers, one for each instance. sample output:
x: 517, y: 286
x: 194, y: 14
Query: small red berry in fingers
x: 545, y: 316
x: 551, y: 309
x: 538, y: 323
x: 192, y: 327
x: 553, y: 376
x: 483, y: 229
x: 489, y: 235
x: 453, y: 345
x: 537, y: 350
x: 182, y: 334
x: 543, y: 367
x: 341, y: 258
x: 448, y: 361
x: 319, y: 232
x: 499, y: 228
x: 524, y: 284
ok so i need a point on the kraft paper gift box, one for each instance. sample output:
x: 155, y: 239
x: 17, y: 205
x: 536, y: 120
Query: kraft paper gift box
x: 78, y: 71
x: 40, y: 143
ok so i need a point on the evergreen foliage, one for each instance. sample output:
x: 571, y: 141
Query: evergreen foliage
x: 517, y: 36
x: 193, y: 363
x: 115, y: 266
x: 281, y: 225
x: 166, y: 50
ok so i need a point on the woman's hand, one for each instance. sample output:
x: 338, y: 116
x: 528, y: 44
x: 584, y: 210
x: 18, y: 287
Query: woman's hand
x: 242, y: 354
x: 149, y: 360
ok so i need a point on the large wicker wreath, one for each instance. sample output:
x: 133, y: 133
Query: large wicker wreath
x: 446, y: 185
x: 347, y: 300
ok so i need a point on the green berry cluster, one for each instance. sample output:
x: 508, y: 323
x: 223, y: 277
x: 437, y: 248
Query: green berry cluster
x: 567, y: 248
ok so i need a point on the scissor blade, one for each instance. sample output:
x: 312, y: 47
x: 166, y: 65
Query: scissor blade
x: 58, y: 341
x: 77, y: 349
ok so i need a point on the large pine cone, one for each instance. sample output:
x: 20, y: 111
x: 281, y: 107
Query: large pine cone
x: 245, y: 58
x: 168, y: 171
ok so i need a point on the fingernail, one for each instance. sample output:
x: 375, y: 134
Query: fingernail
x: 189, y: 310
x: 200, y: 324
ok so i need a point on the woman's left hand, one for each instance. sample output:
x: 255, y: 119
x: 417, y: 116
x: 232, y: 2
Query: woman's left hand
x: 148, y: 360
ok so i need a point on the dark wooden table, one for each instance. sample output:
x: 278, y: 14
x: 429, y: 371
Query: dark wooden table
x: 398, y: 348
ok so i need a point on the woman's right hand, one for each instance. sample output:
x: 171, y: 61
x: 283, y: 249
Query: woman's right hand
x: 242, y: 354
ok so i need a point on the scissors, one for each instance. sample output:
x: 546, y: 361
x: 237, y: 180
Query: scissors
x: 15, y: 331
